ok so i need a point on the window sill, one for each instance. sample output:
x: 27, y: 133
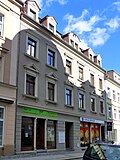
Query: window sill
x: 94, y: 112
x: 69, y: 106
x: 102, y: 114
x: 29, y: 96
x: 50, y: 101
x: 80, y: 80
x: 34, y: 58
x: 51, y: 67
x: 82, y: 109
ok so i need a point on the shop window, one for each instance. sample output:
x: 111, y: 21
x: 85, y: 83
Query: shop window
x: 81, y: 101
x: 95, y: 132
x: 1, y: 24
x: 1, y: 125
x: 51, y: 134
x: 68, y: 66
x: 84, y: 134
x: 68, y: 97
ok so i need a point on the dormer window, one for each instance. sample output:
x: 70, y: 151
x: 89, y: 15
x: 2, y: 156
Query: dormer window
x: 32, y: 14
x: 76, y: 46
x: 99, y: 63
x: 72, y: 43
x: 51, y: 28
x: 91, y: 57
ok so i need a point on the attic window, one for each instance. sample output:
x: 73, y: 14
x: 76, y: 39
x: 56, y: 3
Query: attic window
x: 76, y: 46
x: 91, y: 57
x: 72, y: 43
x: 51, y: 28
x: 99, y: 63
x: 32, y: 14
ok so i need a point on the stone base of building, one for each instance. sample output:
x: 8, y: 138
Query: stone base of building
x: 7, y: 150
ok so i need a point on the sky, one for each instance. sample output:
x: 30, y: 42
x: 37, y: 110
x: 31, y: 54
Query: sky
x: 96, y: 22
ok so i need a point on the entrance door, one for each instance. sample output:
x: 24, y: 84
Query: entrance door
x: 27, y: 134
x: 67, y: 134
x: 40, y: 134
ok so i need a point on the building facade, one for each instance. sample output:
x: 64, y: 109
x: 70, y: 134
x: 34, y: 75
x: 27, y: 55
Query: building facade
x: 54, y: 89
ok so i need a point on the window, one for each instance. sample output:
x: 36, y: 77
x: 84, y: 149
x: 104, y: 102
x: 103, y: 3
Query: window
x: 119, y: 97
x: 119, y: 114
x: 114, y: 96
x: 115, y: 113
x: 51, y: 28
x: 51, y: 58
x: 98, y: 62
x: 1, y: 24
x: 1, y: 125
x: 68, y: 97
x: 51, y: 90
x: 100, y: 84
x: 109, y: 112
x: 30, y: 85
x: 81, y: 101
x: 72, y: 43
x: 91, y: 57
x: 31, y: 47
x: 32, y: 14
x: 108, y: 92
x: 92, y: 79
x: 101, y: 107
x: 80, y: 73
x: 68, y: 66
x: 76, y: 46
x: 93, y: 104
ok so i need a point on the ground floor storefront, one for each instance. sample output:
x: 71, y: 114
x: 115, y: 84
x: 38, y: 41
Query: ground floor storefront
x: 38, y: 130
x: 91, y: 130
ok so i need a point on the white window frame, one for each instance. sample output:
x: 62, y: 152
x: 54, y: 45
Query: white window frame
x: 55, y: 60
x: 34, y: 74
x: 95, y: 104
x: 2, y: 24
x: 83, y: 100
x: 72, y: 99
x: 37, y: 45
x: 115, y: 113
x: 2, y: 120
x: 52, y: 80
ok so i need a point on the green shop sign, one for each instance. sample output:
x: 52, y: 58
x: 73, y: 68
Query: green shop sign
x: 38, y: 112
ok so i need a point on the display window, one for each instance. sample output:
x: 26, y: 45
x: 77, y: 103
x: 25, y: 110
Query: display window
x: 95, y: 132
x: 84, y: 134
x: 51, y: 134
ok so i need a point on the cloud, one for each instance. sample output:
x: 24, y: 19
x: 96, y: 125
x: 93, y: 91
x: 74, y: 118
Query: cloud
x: 114, y: 23
x: 49, y: 2
x: 98, y: 37
x: 117, y: 4
x: 81, y: 24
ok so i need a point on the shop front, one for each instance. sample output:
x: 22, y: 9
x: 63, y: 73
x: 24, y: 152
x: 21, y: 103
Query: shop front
x: 43, y: 130
x: 90, y: 130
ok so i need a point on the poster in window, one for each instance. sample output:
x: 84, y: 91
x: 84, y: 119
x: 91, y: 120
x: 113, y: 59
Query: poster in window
x: 51, y: 134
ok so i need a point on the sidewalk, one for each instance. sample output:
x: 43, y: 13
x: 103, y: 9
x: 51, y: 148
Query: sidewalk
x: 61, y: 155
